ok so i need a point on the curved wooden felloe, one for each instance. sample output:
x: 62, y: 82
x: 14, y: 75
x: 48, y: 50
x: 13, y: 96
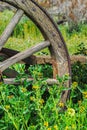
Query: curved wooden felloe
x: 52, y: 36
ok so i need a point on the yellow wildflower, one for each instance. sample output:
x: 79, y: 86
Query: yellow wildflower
x: 55, y: 127
x: 35, y: 87
x: 49, y: 129
x: 10, y: 96
x: 67, y: 74
x: 71, y: 111
x: 67, y: 128
x: 23, y: 89
x: 82, y: 109
x: 32, y: 98
x: 7, y: 107
x: 41, y: 101
x: 46, y: 123
x: 74, y: 85
x: 40, y: 75
x: 61, y: 104
x: 85, y: 94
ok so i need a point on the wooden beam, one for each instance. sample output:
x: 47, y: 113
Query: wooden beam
x: 13, y: 81
x: 10, y: 27
x: 31, y: 60
x: 18, y: 57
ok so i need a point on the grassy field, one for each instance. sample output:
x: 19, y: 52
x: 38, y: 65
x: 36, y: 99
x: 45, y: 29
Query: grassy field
x: 27, y: 34
x: 35, y: 105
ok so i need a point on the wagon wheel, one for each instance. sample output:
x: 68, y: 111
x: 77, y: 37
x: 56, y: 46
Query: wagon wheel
x: 52, y: 36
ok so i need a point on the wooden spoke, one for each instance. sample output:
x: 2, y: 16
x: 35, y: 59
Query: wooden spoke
x: 31, y: 60
x: 13, y: 81
x: 5, y: 64
x: 9, y: 29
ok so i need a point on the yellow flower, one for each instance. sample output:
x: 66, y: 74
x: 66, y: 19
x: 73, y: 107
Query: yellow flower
x: 85, y: 94
x: 46, y: 123
x: 55, y: 127
x: 71, y: 111
x: 40, y: 75
x: 35, y: 87
x: 10, y: 96
x: 61, y: 104
x: 67, y: 128
x: 82, y: 109
x: 7, y: 107
x: 49, y: 129
x: 23, y: 89
x: 32, y: 98
x: 67, y: 74
x: 74, y: 85
x: 41, y: 101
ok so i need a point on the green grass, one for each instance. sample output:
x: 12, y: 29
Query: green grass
x: 24, y: 35
x: 27, y: 34
x: 28, y: 106
x: 74, y: 38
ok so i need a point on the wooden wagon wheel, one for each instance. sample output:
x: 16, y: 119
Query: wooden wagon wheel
x: 53, y: 38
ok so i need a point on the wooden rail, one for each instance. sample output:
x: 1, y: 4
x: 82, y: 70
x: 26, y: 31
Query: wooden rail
x: 31, y: 60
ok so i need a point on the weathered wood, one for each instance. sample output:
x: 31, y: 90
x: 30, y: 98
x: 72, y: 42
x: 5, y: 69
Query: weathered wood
x: 80, y: 58
x: 61, y: 21
x: 9, y: 29
x: 32, y: 60
x: 3, y: 56
x: 50, y: 32
x: 5, y: 64
x: 15, y: 82
x: 10, y: 73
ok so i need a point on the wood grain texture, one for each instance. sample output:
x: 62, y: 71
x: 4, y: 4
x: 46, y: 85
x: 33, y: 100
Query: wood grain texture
x: 10, y: 27
x: 15, y: 82
x: 5, y: 64
x: 6, y: 53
